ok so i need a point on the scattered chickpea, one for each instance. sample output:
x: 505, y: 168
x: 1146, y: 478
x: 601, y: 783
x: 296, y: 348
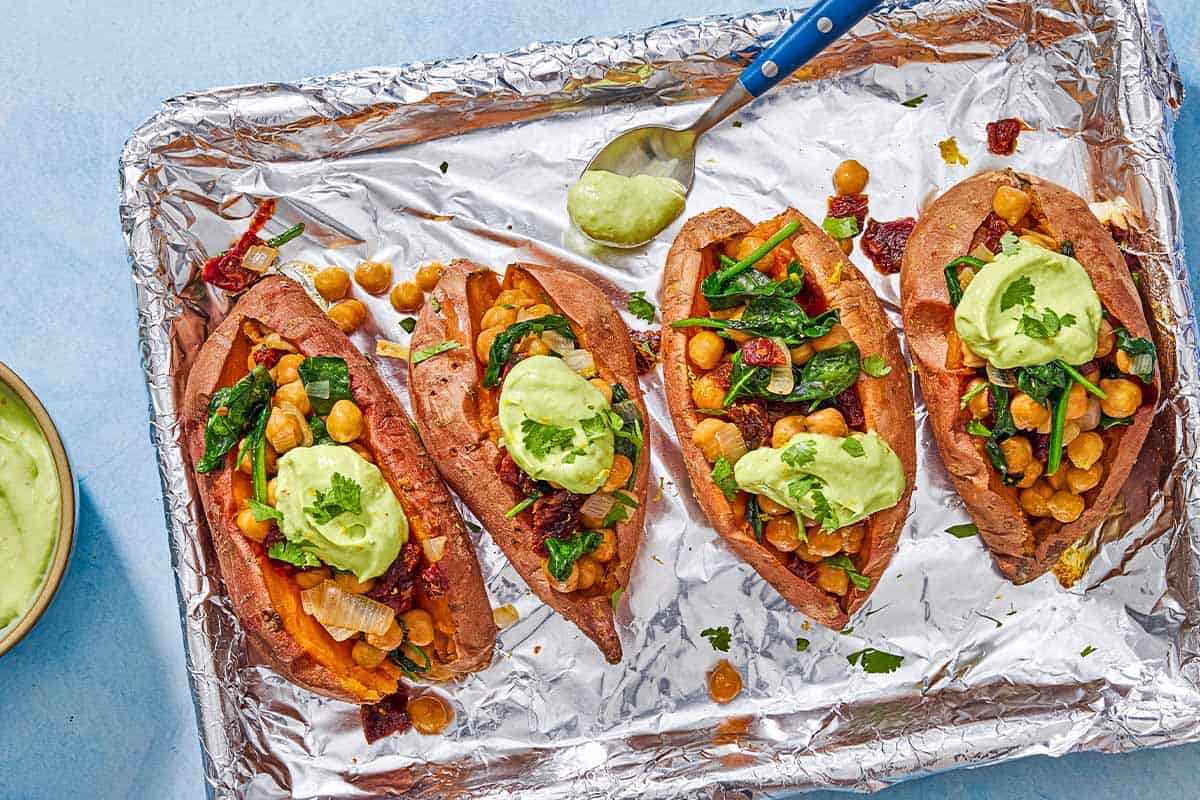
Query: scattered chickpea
x: 366, y: 656
x: 429, y: 275
x: 286, y: 428
x: 498, y: 316
x: 1018, y: 453
x: 805, y: 554
x: 590, y: 572
x: 562, y: 587
x: 828, y: 421
x: 1033, y: 471
x: 1091, y: 418
x: 832, y: 579
x: 1028, y: 414
x: 1033, y: 502
x: 1071, y: 431
x: 373, y: 276
x: 1124, y: 397
x: 252, y: 528
x: 390, y: 639
x: 1076, y: 401
x: 772, y: 509
x: 293, y: 392
x: 419, y: 623
x: 783, y: 533
x: 837, y: 335
x: 348, y: 315
x: 1123, y: 361
x: 1064, y: 506
x: 345, y: 422
x: 332, y: 283
x: 850, y: 177
x: 1086, y: 449
x: 846, y: 245
x: 1084, y: 480
x: 705, y: 349
x: 824, y: 543
x: 272, y: 489
x: 622, y: 468
x: 1058, y: 481
x: 288, y: 368
x: 483, y: 343
x: 785, y: 428
x: 707, y: 393
x: 724, y: 682
x: 704, y: 436
x: 429, y: 714
x: 533, y: 345
x: 603, y: 387
x: 247, y: 464
x: 406, y: 296
x: 1011, y: 204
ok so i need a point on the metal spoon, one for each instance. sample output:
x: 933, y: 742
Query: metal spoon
x: 671, y: 152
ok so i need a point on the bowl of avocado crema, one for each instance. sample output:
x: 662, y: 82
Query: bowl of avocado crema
x: 37, y: 509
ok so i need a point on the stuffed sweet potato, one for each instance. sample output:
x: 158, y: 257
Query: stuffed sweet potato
x: 527, y: 396
x: 341, y: 550
x: 792, y: 403
x: 1035, y: 360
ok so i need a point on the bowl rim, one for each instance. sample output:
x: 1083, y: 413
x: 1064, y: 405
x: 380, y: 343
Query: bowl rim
x: 66, y: 525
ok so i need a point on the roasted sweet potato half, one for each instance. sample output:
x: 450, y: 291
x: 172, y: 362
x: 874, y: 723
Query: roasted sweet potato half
x: 573, y: 545
x: 1038, y: 452
x: 773, y: 343
x: 276, y: 377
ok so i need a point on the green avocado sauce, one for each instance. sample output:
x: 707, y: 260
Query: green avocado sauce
x: 855, y: 486
x: 30, y: 506
x: 1029, y: 282
x: 624, y: 210
x: 556, y: 425
x: 364, y: 541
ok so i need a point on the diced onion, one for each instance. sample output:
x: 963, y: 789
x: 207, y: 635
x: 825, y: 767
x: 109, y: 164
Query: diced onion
x: 557, y: 342
x: 1091, y: 418
x: 505, y: 616
x: 983, y: 254
x: 339, y: 634
x: 1141, y: 364
x: 388, y: 349
x: 596, y: 508
x: 1001, y: 377
x: 259, y: 257
x: 336, y: 608
x: 783, y: 380
x: 581, y: 362
x: 730, y: 442
x: 434, y: 548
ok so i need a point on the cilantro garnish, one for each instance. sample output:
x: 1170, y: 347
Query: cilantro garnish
x: 565, y: 552
x: 542, y: 438
x: 722, y: 475
x: 717, y: 637
x: 797, y: 454
x: 263, y: 512
x: 444, y: 166
x: 408, y: 323
x: 618, y: 512
x: 640, y: 307
x: 841, y: 227
x: 344, y: 496
x: 963, y: 531
x: 292, y: 553
x: 1044, y: 327
x: 853, y: 447
x: 876, y: 661
x: 842, y: 560
x: 1087, y: 651
x: 1018, y: 293
x: 875, y: 366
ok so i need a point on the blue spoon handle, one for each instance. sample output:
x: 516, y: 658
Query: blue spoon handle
x: 812, y: 33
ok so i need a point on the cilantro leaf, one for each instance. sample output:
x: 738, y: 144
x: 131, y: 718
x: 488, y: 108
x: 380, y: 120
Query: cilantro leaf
x: 977, y: 428
x: 595, y: 427
x: 875, y: 366
x: 913, y: 102
x: 293, y: 553
x: 263, y: 512
x: 801, y: 644
x: 343, y: 496
x: 797, y: 454
x: 1009, y: 244
x: 1018, y: 293
x: 717, y: 637
x: 853, y: 447
x: 841, y: 227
x: 1087, y: 651
x: 1067, y: 320
x: 565, y: 552
x: 823, y: 512
x: 963, y: 531
x: 408, y: 323
x: 722, y: 475
x: 618, y: 512
x: 842, y: 560
x: 541, y: 438
x: 640, y: 307
x: 876, y: 661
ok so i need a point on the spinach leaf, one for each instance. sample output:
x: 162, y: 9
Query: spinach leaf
x: 841, y: 227
x: 754, y: 517
x: 876, y: 661
x: 628, y: 438
x: 400, y: 656
x: 725, y: 293
x: 771, y: 317
x: 1003, y: 427
x: 222, y: 430
x: 1141, y: 353
x: 506, y: 340
x: 565, y: 552
x: 1107, y: 422
x: 717, y: 637
x: 951, y: 273
x: 319, y: 431
x: 1040, y: 381
x: 963, y: 530
x: 722, y: 476
x: 258, y: 454
x: 326, y: 380
x: 825, y: 376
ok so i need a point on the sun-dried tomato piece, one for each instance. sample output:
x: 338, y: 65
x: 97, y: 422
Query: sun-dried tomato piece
x: 396, y: 588
x: 225, y: 271
x: 884, y: 242
x: 1041, y: 447
x: 266, y: 356
x: 1002, y: 136
x: 645, y: 349
x: 388, y: 716
x: 273, y: 537
x: 848, y: 403
x: 849, y: 205
x: 557, y: 515
x: 721, y: 373
x: 513, y: 475
x: 761, y: 352
x: 433, y: 581
x: 803, y: 569
x: 751, y: 420
x: 989, y: 232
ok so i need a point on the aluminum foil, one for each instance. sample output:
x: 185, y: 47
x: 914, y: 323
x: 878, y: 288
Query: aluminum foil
x: 472, y: 158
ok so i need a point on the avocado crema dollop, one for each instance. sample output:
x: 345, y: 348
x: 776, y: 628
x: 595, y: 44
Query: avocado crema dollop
x: 855, y: 486
x: 623, y: 210
x: 556, y: 425
x: 364, y: 541
x: 1030, y: 282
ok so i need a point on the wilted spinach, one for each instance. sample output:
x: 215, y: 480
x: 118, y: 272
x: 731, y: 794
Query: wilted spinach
x: 771, y: 317
x: 507, y: 339
x: 825, y: 376
x: 240, y: 401
x: 628, y: 438
x: 1141, y: 353
x: 724, y: 289
x: 951, y: 272
x: 326, y: 380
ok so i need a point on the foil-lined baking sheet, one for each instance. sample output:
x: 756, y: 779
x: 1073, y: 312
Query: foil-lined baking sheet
x: 472, y: 158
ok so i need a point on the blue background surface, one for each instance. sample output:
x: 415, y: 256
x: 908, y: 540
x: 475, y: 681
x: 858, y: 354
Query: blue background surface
x: 95, y: 701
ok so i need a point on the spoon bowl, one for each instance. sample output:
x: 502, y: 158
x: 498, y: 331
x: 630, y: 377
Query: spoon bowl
x: 650, y: 150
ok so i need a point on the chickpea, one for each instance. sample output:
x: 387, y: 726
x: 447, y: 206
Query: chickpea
x: 837, y: 335
x: 1084, y: 480
x: 483, y: 343
x: 1028, y: 414
x: 498, y: 316
x: 429, y: 714
x: 1011, y: 204
x: 348, y: 315
x: 562, y: 587
x: 429, y: 275
x: 1070, y: 432
x: 969, y: 358
x: 347, y: 582
x: 748, y: 245
x: 724, y: 682
x: 828, y: 421
x: 704, y: 436
x: 272, y: 490
x: 850, y: 177
x: 590, y: 572
x: 802, y: 353
x: 1124, y: 397
x: 707, y: 393
x: 406, y: 296
x: 286, y: 428
x: 833, y: 580
x: 1105, y: 339
x: 1057, y: 481
x: 1033, y: 471
x: 603, y: 387
x: 618, y: 476
x: 252, y: 528
x: 1033, y: 502
x: 1018, y: 452
x: 345, y: 422
x: 783, y: 533
x: 366, y: 656
x: 513, y: 298
x: 607, y: 549
x: 390, y: 639
x: 705, y: 349
x: 332, y: 283
x: 978, y: 404
x: 824, y: 543
x: 1076, y: 401
x: 1123, y: 361
x: 1064, y: 506
x: 769, y: 507
x: 1086, y: 449
x: 311, y: 577
x: 373, y: 276
x: 247, y: 463
x: 785, y: 428
x: 534, y: 311
x: 805, y: 554
x: 533, y: 345
x: 419, y: 624
x: 288, y: 368
x: 293, y: 392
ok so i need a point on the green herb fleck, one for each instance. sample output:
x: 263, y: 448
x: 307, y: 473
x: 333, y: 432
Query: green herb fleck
x: 565, y: 552
x: 615, y: 597
x: 853, y: 447
x: 263, y: 512
x: 966, y: 398
x: 344, y: 496
x: 444, y: 166
x: 963, y: 531
x: 426, y: 353
x: 541, y: 438
x: 722, y: 475
x: 408, y: 323
x: 640, y: 307
x: 841, y: 227
x: 797, y: 454
x: 977, y: 428
x: 1087, y: 651
x: 801, y: 644
x: 876, y: 661
x: 717, y: 637
x: 292, y: 553
x: 875, y: 367
x: 842, y: 560
x: 913, y: 102
x: 1018, y: 293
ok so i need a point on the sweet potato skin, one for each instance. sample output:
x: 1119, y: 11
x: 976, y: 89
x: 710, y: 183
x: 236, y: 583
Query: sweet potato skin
x: 886, y: 401
x: 283, y: 306
x: 943, y: 233
x: 444, y: 397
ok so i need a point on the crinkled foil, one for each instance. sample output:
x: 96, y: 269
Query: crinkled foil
x: 991, y: 671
